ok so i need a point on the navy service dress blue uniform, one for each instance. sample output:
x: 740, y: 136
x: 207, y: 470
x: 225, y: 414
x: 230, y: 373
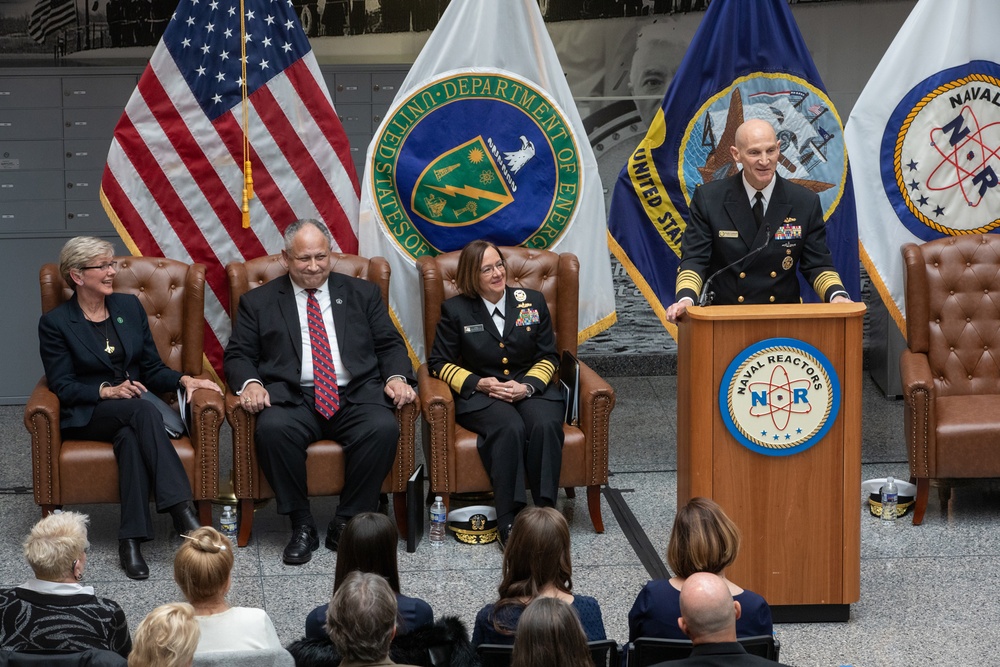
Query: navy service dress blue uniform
x: 722, y: 229
x: 519, y: 441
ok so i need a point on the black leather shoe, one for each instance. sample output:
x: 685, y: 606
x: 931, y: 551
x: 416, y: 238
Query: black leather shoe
x: 131, y: 559
x: 185, y: 520
x: 503, y: 535
x: 299, y: 549
x: 333, y: 532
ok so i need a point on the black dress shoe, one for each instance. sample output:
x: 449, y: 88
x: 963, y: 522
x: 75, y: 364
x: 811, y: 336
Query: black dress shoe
x: 131, y: 559
x: 185, y: 520
x: 299, y: 549
x: 503, y: 535
x: 333, y: 532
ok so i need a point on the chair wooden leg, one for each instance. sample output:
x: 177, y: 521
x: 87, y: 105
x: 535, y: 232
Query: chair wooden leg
x: 245, y: 521
x: 920, y: 506
x: 594, y: 505
x: 570, y: 492
x: 204, y: 512
x: 399, y: 507
x: 944, y: 494
x: 49, y: 509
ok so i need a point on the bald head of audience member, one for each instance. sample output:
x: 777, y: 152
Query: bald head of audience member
x: 708, y: 611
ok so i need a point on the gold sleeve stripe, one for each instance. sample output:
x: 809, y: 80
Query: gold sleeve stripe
x: 543, y: 370
x: 688, y: 279
x: 825, y: 281
x: 455, y: 376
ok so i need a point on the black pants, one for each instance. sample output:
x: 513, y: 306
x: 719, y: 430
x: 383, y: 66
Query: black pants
x: 368, y: 434
x: 519, y: 441
x: 145, y: 456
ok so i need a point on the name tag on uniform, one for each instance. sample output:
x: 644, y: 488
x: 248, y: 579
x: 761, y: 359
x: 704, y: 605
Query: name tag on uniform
x: 473, y: 328
x: 728, y: 234
x: 527, y: 316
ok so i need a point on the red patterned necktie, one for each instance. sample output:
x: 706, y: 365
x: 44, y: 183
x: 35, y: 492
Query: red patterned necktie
x: 324, y: 374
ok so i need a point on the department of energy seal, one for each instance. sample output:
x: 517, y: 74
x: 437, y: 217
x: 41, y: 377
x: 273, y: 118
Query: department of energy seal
x: 940, y: 153
x: 471, y: 155
x: 779, y: 396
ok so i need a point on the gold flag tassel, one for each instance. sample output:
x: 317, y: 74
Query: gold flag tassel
x: 247, y: 169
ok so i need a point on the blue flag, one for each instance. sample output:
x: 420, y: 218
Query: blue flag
x: 747, y: 60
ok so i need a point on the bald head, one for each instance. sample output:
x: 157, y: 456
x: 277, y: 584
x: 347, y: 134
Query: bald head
x: 708, y: 611
x: 757, y: 150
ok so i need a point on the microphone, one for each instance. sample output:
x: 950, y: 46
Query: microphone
x: 705, y: 298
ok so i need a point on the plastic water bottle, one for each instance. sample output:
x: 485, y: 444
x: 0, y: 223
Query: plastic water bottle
x: 227, y: 523
x: 438, y: 518
x: 889, y: 497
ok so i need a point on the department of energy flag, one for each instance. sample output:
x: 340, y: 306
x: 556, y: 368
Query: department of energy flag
x: 747, y: 60
x: 924, y: 138
x: 173, y: 185
x: 484, y: 141
x: 49, y: 16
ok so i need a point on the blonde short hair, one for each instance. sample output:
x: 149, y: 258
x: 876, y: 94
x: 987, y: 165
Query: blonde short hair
x: 80, y: 251
x: 55, y: 542
x: 167, y: 637
x: 203, y: 564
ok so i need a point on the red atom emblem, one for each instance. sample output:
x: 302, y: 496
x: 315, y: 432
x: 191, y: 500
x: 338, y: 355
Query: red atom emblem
x: 968, y: 157
x: 781, y: 403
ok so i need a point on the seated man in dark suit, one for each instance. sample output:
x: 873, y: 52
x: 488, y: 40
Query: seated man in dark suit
x: 708, y: 617
x: 315, y: 355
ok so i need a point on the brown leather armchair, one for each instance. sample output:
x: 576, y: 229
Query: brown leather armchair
x: 950, y: 370
x: 68, y: 472
x: 324, y: 458
x: 455, y: 466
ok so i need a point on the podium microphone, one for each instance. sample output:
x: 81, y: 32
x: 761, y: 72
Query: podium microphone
x: 705, y: 298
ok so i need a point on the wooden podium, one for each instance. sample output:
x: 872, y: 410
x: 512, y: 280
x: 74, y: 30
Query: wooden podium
x: 799, y: 513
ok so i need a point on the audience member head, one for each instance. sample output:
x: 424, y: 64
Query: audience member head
x: 708, y: 611
x: 80, y: 252
x: 361, y: 618
x: 703, y: 539
x: 56, y: 547
x: 537, y: 555
x: 167, y: 637
x: 308, y: 253
x: 549, y: 634
x: 481, y: 270
x: 368, y: 544
x: 203, y: 564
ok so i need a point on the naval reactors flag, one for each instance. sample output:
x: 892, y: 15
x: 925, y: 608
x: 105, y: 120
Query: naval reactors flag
x: 484, y: 141
x: 924, y: 138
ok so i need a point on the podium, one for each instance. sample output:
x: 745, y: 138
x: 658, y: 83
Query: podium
x: 798, y: 509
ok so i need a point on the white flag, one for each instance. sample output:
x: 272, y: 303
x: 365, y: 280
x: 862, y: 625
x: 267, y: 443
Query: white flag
x: 484, y: 140
x: 924, y: 138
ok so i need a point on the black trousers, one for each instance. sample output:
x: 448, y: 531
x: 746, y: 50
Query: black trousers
x: 368, y: 434
x: 145, y: 457
x: 519, y: 441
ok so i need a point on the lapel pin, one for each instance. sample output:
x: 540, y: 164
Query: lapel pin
x: 340, y: 302
x: 120, y: 320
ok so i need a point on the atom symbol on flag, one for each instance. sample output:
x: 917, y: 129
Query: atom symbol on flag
x: 972, y: 153
x: 781, y: 403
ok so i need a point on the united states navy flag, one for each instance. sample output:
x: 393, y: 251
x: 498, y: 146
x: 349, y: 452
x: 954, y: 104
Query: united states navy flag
x: 747, y: 60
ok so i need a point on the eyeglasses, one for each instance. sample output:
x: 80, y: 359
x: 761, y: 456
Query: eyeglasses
x: 487, y: 270
x: 113, y: 264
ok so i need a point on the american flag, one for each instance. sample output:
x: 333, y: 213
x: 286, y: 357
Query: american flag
x: 173, y: 185
x: 49, y: 16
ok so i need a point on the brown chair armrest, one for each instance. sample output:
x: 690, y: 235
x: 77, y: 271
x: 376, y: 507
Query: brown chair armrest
x: 244, y: 453
x: 597, y: 399
x: 439, y: 414
x: 41, y: 418
x: 919, y: 415
x: 207, y: 410
x: 405, y: 461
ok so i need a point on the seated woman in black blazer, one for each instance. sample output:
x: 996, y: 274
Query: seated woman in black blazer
x: 99, y: 358
x: 368, y: 544
x: 703, y: 539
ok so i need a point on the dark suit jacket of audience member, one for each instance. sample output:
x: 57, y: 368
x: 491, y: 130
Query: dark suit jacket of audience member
x: 658, y: 606
x: 267, y: 326
x: 76, y: 364
x: 722, y: 654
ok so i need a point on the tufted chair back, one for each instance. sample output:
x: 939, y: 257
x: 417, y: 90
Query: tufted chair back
x: 555, y: 276
x: 953, y: 311
x: 245, y: 276
x: 172, y: 293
